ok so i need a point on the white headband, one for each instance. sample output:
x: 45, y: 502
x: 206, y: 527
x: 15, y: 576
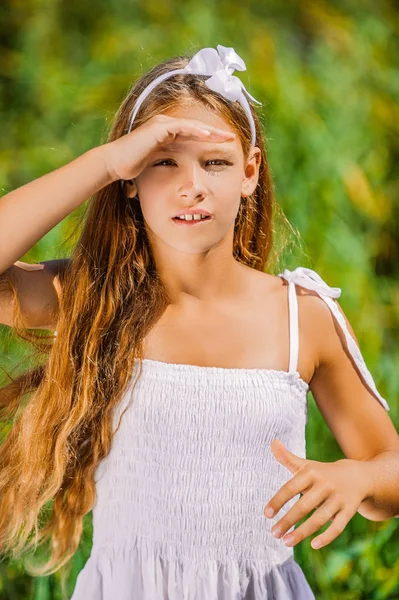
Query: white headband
x: 219, y: 66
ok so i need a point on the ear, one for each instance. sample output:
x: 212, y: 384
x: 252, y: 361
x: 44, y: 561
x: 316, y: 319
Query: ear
x: 251, y: 176
x: 130, y: 188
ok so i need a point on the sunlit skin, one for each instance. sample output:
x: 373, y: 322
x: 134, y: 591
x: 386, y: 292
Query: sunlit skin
x: 198, y: 268
x: 335, y: 489
x: 196, y: 263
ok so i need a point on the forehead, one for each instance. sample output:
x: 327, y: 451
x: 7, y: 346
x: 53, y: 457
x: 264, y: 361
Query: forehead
x: 199, y: 112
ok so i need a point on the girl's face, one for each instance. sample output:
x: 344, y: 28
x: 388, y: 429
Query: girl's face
x: 195, y: 174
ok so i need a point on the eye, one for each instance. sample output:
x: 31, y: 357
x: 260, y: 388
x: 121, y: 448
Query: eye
x: 221, y: 162
x: 162, y: 161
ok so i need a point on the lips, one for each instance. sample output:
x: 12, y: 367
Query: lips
x: 188, y: 220
x: 191, y: 222
x: 195, y: 214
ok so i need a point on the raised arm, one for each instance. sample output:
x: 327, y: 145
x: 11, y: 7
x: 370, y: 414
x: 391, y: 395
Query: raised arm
x: 26, y: 215
x: 32, y: 210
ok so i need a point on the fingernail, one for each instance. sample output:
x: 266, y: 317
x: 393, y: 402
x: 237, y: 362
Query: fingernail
x: 269, y: 512
x: 316, y: 544
x: 276, y: 533
x: 289, y: 541
x: 224, y: 132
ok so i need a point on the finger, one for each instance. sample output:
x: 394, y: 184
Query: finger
x: 186, y: 130
x: 215, y: 130
x: 320, y: 517
x: 194, y: 125
x: 315, y: 496
x: 340, y: 521
x: 301, y: 481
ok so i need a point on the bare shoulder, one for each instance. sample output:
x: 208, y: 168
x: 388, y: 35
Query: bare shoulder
x: 323, y: 331
x: 308, y: 299
x: 320, y: 335
x: 38, y: 288
x: 314, y: 316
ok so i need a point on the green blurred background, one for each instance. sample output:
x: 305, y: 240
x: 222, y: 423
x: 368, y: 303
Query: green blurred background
x: 327, y: 76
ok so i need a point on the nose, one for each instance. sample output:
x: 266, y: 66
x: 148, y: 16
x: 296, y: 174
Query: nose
x: 193, y: 185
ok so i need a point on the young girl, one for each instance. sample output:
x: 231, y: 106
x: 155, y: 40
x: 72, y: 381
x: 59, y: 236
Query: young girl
x: 165, y: 405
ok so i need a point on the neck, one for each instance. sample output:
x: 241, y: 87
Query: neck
x: 205, y: 277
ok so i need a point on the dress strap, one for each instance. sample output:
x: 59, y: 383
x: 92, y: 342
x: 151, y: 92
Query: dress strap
x: 311, y: 280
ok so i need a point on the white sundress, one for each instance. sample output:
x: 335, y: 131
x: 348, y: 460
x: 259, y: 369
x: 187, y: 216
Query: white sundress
x: 179, y: 512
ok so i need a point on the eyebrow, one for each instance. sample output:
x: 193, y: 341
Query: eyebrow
x: 216, y: 150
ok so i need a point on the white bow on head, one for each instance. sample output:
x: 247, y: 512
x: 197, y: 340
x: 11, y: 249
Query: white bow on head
x: 219, y: 65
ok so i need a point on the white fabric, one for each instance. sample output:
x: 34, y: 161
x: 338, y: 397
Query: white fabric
x: 311, y: 280
x: 180, y: 498
x: 179, y: 512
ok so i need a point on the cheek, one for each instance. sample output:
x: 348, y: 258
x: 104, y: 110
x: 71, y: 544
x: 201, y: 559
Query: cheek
x: 157, y: 190
x: 152, y: 210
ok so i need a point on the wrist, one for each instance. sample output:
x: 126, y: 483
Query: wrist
x: 110, y: 174
x: 367, y: 476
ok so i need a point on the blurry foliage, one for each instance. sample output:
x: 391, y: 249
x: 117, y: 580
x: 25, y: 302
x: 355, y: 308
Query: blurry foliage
x: 327, y: 74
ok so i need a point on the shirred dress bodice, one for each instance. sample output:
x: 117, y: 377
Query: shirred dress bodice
x: 179, y: 512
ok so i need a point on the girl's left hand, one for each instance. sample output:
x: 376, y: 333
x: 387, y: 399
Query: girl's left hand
x: 336, y: 489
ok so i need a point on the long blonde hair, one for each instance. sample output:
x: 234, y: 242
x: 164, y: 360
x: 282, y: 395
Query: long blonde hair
x: 111, y: 298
